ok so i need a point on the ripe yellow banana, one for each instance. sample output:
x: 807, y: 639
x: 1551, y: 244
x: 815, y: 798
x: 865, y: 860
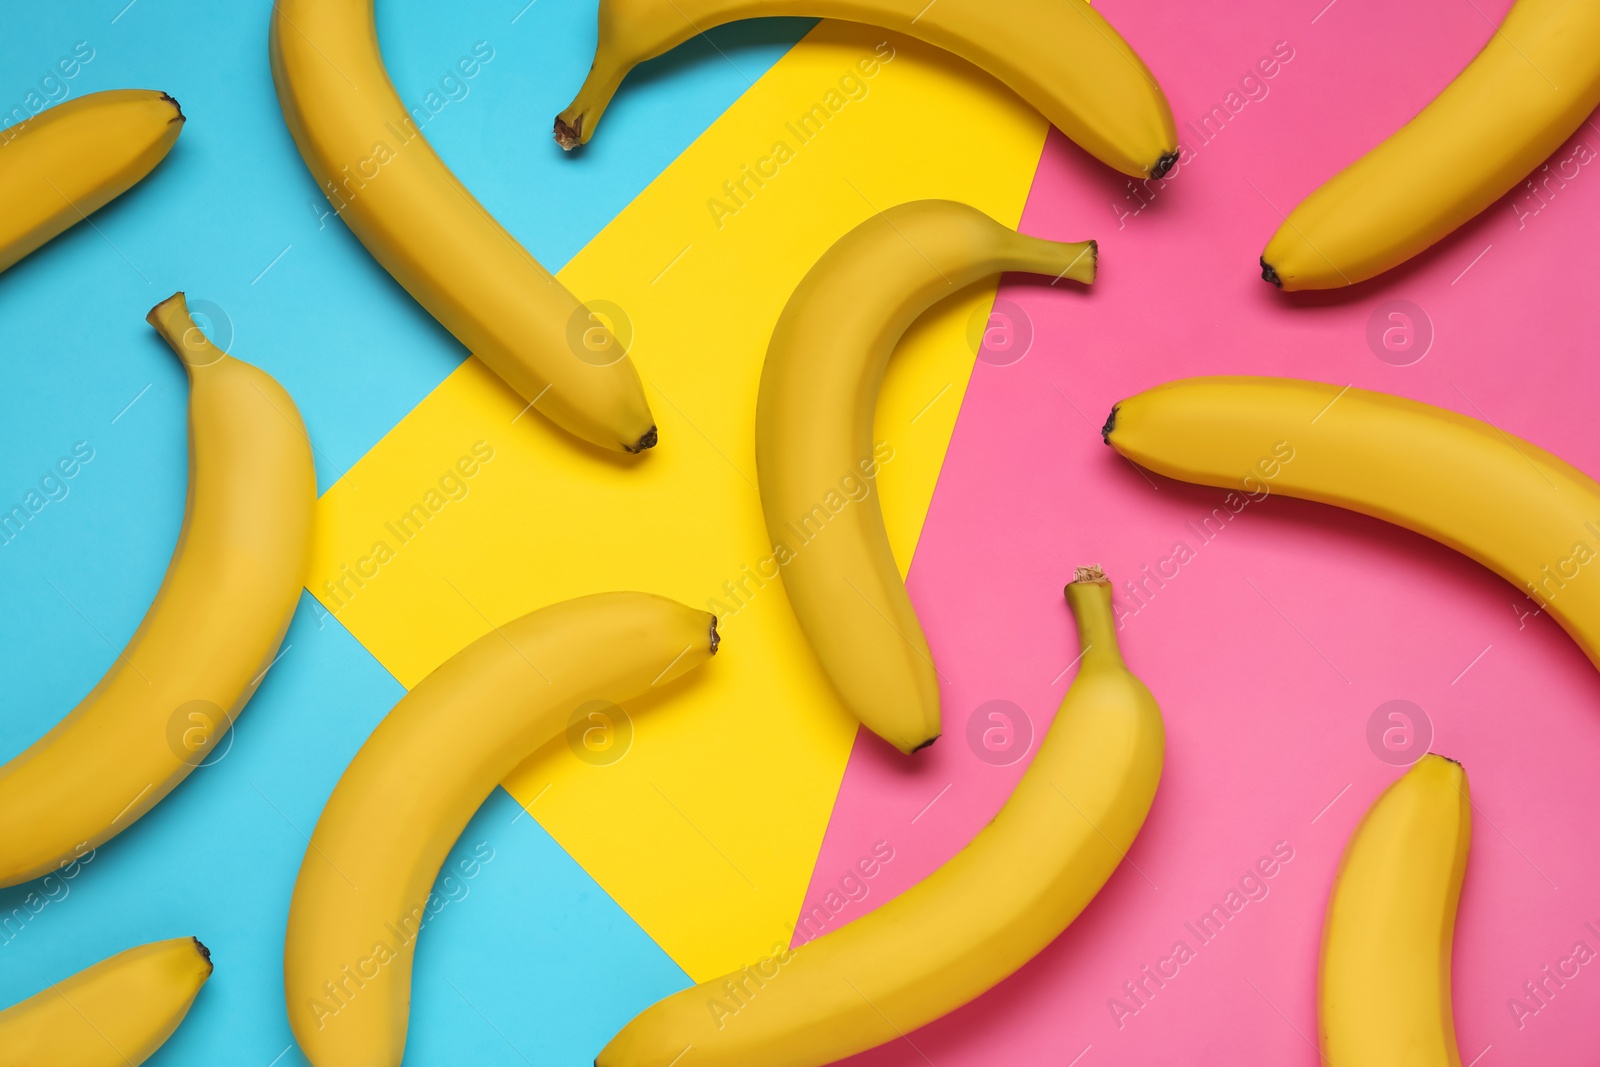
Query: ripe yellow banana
x: 1533, y: 84
x: 368, y: 153
x: 115, y: 1014
x: 1515, y: 508
x: 1383, y: 997
x: 70, y: 161
x: 1061, y: 56
x: 814, y: 450
x: 209, y: 637
x: 967, y: 926
x: 363, y: 890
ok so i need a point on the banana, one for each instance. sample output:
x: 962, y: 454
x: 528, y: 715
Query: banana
x: 73, y: 159
x: 363, y: 890
x: 967, y: 926
x: 1383, y: 995
x: 1061, y: 56
x: 1533, y: 84
x: 367, y: 152
x: 819, y: 389
x: 209, y: 637
x: 1515, y: 508
x: 115, y: 1014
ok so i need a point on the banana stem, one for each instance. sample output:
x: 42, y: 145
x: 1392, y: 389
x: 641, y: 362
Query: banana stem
x: 1089, y: 597
x: 577, y: 123
x: 1075, y: 260
x: 177, y: 327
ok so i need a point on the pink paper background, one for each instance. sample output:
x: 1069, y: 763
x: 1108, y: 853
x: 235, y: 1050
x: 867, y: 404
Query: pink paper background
x: 1271, y: 649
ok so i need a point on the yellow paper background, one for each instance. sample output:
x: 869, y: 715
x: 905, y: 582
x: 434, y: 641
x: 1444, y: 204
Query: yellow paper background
x: 706, y: 831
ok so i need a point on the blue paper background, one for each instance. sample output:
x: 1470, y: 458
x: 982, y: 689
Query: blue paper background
x: 535, y: 964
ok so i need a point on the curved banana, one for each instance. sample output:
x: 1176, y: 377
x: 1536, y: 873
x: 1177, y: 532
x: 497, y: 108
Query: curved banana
x: 819, y: 389
x: 1061, y: 56
x: 1383, y: 995
x: 73, y: 159
x: 1533, y: 84
x: 363, y: 890
x: 970, y: 924
x: 1525, y: 514
x: 208, y: 638
x: 368, y: 154
x: 115, y: 1014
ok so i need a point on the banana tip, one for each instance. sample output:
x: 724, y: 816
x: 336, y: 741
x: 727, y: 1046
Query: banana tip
x: 1270, y: 273
x: 569, y: 137
x: 647, y: 441
x: 169, y: 98
x: 1164, y: 164
x: 716, y: 638
x: 1088, y: 575
x: 153, y: 316
x: 205, y: 953
x: 926, y: 743
x: 1111, y: 424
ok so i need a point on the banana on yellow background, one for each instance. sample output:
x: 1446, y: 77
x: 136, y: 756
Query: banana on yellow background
x: 1535, y: 81
x: 1061, y: 56
x: 814, y: 440
x: 62, y: 166
x: 210, y: 635
x: 706, y: 530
